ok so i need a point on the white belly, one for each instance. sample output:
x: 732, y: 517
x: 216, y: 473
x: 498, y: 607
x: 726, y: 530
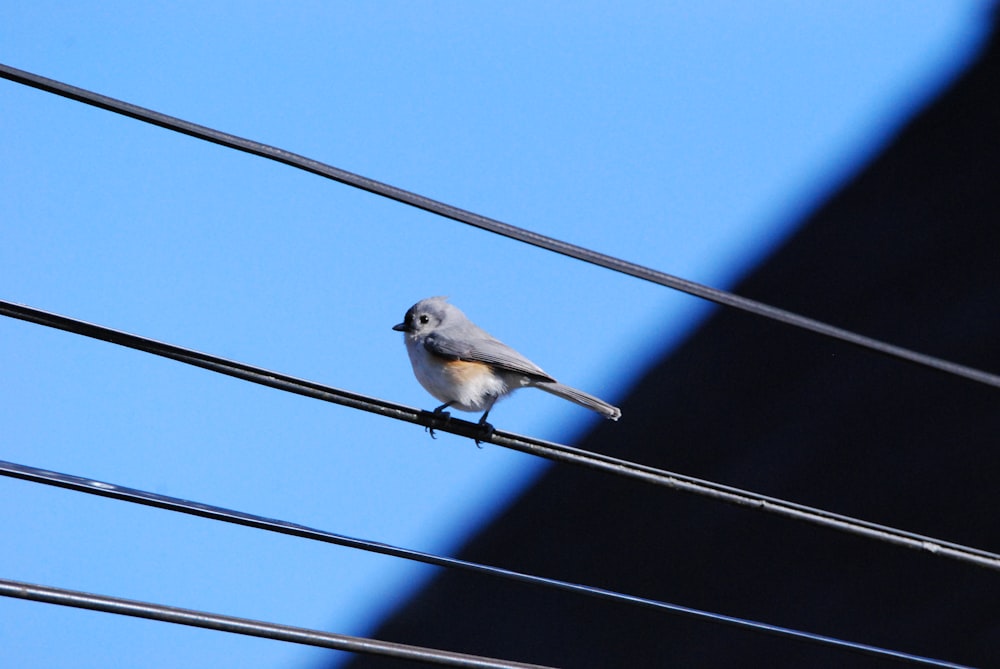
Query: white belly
x: 468, y: 386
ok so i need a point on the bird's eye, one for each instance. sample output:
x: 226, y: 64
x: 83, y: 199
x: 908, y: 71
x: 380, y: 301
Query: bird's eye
x: 424, y: 319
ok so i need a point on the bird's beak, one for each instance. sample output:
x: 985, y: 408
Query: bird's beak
x: 399, y: 328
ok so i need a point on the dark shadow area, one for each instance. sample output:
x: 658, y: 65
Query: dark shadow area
x: 907, y: 251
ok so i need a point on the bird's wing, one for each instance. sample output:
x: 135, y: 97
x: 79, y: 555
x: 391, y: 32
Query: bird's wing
x: 484, y: 349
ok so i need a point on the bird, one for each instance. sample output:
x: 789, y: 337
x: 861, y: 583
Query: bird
x: 468, y: 369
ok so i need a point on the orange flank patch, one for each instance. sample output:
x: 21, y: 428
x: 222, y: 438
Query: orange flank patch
x: 463, y: 371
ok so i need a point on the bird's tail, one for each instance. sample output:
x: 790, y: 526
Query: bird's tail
x: 581, y: 398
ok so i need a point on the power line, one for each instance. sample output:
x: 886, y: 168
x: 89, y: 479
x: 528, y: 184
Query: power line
x: 492, y: 225
x: 122, y: 493
x: 257, y: 628
x: 545, y: 449
x: 537, y: 447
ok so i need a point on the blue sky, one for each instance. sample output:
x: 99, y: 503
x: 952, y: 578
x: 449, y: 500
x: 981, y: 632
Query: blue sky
x: 689, y: 137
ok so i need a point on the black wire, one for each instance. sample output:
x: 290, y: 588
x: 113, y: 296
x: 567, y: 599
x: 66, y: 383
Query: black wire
x: 537, y: 447
x: 125, y: 494
x: 545, y: 449
x: 257, y: 628
x: 492, y: 225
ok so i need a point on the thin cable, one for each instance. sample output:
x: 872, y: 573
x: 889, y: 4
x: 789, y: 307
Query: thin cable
x: 537, y: 447
x: 492, y: 225
x: 122, y: 493
x: 257, y: 628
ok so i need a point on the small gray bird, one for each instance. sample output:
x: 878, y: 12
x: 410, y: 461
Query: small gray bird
x: 465, y: 367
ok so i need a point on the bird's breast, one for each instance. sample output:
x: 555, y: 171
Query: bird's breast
x: 469, y: 386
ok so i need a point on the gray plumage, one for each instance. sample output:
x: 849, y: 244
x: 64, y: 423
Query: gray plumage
x: 438, y: 333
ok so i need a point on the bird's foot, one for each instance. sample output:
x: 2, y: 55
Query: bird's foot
x: 439, y: 418
x: 487, y: 431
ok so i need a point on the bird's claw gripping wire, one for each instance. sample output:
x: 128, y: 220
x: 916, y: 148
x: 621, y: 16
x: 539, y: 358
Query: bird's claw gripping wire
x: 439, y: 417
x: 487, y: 431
